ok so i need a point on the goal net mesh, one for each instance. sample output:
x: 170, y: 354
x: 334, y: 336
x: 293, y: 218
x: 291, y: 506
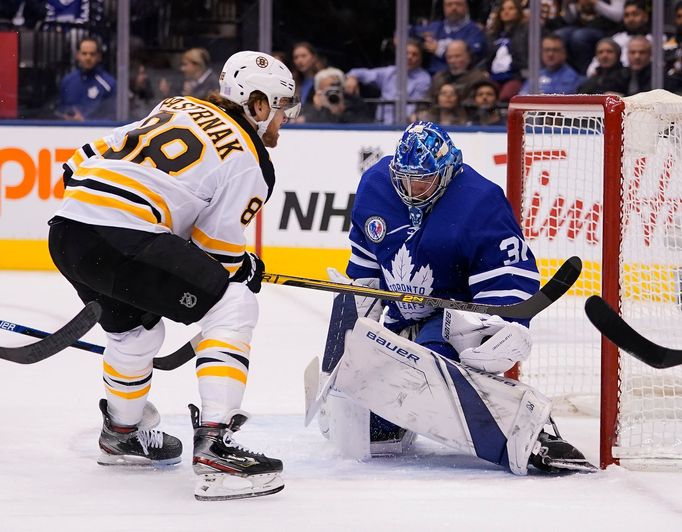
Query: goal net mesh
x: 562, y: 215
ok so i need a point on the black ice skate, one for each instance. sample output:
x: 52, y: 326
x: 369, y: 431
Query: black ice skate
x: 228, y: 470
x: 134, y: 446
x: 553, y: 454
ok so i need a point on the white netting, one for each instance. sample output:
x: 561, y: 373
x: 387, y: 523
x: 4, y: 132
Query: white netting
x: 562, y: 203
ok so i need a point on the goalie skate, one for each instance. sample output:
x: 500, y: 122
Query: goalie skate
x: 226, y: 469
x: 553, y: 454
x: 139, y: 445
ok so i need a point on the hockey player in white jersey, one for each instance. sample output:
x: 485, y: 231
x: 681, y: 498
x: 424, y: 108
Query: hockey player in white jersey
x: 152, y: 225
x: 424, y: 222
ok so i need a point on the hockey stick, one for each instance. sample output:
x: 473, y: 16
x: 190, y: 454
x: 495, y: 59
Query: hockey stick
x: 51, y: 344
x: 82, y: 323
x: 556, y: 287
x: 611, y: 325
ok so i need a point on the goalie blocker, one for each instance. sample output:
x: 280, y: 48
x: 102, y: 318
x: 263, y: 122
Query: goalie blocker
x: 497, y: 419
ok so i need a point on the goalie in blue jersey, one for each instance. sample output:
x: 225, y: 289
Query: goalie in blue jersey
x: 424, y: 222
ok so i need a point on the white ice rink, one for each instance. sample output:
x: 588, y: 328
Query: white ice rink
x: 49, y: 425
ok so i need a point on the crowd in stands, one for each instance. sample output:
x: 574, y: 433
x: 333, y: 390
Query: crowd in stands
x: 463, y: 65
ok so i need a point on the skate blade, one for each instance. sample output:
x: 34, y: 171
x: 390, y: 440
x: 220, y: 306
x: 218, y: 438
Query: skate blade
x: 225, y: 487
x: 115, y: 460
x: 568, y: 466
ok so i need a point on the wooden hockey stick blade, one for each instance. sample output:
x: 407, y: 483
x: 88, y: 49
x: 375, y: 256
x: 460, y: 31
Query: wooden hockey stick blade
x: 556, y: 287
x: 616, y: 329
x: 55, y: 342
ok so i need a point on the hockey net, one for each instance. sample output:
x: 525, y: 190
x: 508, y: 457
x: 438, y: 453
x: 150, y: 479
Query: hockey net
x: 601, y: 177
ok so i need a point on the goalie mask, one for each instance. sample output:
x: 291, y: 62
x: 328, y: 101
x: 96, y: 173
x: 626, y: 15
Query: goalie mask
x: 424, y: 163
x: 247, y: 72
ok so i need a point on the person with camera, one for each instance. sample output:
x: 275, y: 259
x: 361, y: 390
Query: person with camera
x: 331, y: 104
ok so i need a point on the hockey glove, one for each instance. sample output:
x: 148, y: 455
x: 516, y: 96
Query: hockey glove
x: 250, y: 272
x: 486, y: 342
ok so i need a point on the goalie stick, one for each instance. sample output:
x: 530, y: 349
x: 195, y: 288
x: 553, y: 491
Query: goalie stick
x: 616, y: 329
x: 53, y: 343
x: 556, y: 287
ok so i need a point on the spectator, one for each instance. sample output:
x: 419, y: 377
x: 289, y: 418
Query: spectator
x: 385, y: 79
x: 307, y: 63
x: 583, y: 23
x: 198, y: 78
x: 507, y: 59
x: 483, y: 106
x: 446, y: 110
x: 459, y: 71
x: 88, y: 92
x: 556, y: 76
x: 673, y: 48
x: 455, y: 24
x: 639, y: 71
x: 635, y: 22
x: 141, y: 94
x: 331, y: 104
x: 610, y: 76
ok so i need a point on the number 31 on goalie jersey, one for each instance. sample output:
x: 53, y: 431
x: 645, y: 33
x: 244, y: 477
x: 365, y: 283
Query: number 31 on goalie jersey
x: 516, y: 248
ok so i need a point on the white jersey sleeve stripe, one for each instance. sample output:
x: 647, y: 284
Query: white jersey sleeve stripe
x: 364, y: 263
x: 479, y: 277
x: 214, y: 244
x: 125, y: 181
x: 112, y: 203
x: 503, y: 293
x: 363, y: 250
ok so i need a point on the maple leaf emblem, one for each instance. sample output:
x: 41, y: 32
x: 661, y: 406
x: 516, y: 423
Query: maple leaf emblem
x: 401, y: 279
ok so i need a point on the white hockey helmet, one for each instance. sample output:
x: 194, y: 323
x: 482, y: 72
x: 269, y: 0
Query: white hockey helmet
x: 246, y: 72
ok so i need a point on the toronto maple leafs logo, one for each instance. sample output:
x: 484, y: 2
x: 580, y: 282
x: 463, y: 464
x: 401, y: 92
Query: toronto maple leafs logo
x: 402, y: 278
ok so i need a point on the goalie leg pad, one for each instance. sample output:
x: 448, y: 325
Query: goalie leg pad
x: 348, y: 426
x: 469, y: 410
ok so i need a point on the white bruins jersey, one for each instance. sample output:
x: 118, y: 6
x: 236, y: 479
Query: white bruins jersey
x: 188, y: 168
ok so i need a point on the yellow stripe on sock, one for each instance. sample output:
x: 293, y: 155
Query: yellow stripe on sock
x: 111, y: 371
x: 207, y: 344
x: 222, y: 371
x: 130, y: 395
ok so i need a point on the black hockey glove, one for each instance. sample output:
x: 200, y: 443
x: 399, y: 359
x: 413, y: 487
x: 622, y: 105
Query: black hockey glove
x: 250, y: 272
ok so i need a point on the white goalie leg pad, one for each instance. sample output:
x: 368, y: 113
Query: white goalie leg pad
x: 499, y: 353
x: 348, y: 424
x: 471, y: 411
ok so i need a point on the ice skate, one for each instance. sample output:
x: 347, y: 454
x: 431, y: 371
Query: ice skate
x: 553, y: 454
x: 388, y: 439
x: 138, y: 445
x: 226, y: 469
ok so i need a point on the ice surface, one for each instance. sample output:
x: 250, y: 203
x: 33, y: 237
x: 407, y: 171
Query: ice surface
x: 49, y: 424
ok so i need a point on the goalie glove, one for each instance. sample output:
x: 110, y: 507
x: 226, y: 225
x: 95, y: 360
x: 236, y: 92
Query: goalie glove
x: 367, y: 307
x: 486, y: 342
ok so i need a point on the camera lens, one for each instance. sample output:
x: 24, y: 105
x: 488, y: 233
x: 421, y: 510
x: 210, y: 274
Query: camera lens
x: 333, y: 98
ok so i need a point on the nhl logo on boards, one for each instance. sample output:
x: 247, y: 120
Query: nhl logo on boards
x: 375, y: 228
x: 188, y: 300
x: 261, y: 61
x: 369, y: 156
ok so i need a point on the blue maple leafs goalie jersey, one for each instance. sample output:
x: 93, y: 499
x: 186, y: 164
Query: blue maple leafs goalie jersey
x: 468, y: 247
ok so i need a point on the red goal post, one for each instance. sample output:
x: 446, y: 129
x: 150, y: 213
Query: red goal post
x: 601, y: 177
